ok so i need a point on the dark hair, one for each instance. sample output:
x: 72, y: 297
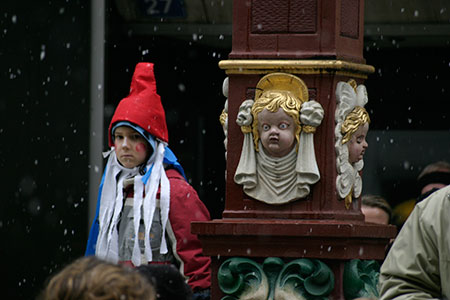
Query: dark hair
x: 377, y: 201
x: 435, y: 167
x: 434, y: 173
x: 168, y: 281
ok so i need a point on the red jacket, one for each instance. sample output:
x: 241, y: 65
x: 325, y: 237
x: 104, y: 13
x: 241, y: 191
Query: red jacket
x: 185, y: 250
x: 185, y: 207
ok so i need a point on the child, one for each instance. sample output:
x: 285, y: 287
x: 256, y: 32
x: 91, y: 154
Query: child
x: 352, y: 125
x: 277, y: 162
x: 143, y: 192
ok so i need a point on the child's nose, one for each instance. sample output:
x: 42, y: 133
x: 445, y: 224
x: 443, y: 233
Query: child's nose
x: 125, y: 142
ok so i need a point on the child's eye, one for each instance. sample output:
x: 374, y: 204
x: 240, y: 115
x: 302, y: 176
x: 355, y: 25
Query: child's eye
x: 283, y: 126
x: 118, y: 137
x: 136, y: 136
x: 265, y: 127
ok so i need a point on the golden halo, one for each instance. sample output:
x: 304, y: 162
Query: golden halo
x: 282, y: 81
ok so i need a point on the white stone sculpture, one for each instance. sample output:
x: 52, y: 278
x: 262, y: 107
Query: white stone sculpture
x: 352, y: 124
x: 278, y: 163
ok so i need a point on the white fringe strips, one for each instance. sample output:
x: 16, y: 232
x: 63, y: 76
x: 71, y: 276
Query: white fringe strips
x: 111, y: 205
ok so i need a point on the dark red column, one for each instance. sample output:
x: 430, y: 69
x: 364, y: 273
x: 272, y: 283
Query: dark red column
x: 320, y: 41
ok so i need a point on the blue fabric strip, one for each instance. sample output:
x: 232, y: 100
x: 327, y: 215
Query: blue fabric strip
x: 171, y: 159
x: 147, y: 175
x: 93, y: 233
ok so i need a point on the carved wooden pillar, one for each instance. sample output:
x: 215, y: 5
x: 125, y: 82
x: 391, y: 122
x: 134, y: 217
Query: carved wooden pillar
x: 321, y: 42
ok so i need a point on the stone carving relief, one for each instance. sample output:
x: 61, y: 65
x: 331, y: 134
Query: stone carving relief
x: 278, y: 163
x: 352, y: 124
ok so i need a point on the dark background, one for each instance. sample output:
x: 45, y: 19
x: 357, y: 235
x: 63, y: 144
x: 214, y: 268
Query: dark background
x: 44, y: 123
x: 44, y: 117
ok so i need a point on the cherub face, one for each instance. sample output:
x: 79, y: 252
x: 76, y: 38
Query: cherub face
x: 357, y: 145
x: 276, y: 132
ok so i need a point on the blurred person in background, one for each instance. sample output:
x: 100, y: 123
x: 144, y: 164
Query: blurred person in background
x: 434, y: 176
x: 376, y: 209
x: 91, y: 278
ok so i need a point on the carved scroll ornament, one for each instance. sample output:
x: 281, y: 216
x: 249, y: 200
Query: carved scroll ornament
x: 300, y: 279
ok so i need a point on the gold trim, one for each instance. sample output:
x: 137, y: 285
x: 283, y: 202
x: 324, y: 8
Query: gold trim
x: 256, y: 66
x: 223, y: 117
x: 246, y: 129
x: 353, y: 84
x: 282, y: 81
x: 348, y: 200
x: 309, y: 129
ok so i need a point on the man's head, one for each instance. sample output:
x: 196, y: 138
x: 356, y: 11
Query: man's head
x: 376, y: 209
x: 434, y: 176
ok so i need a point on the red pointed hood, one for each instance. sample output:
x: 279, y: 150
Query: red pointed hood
x: 143, y: 105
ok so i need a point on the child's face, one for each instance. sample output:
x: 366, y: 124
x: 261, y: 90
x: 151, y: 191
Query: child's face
x: 131, y: 148
x: 276, y: 131
x: 357, y: 145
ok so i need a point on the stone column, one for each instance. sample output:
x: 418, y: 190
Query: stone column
x: 321, y: 42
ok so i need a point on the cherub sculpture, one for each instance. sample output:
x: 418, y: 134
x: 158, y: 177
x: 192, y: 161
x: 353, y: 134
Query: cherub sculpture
x: 352, y: 125
x: 278, y: 163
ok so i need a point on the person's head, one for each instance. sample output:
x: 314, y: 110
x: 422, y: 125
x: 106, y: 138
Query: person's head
x: 276, y: 113
x: 168, y: 281
x: 131, y: 148
x: 90, y: 278
x: 140, y: 113
x: 354, y: 131
x: 376, y: 209
x: 434, y: 176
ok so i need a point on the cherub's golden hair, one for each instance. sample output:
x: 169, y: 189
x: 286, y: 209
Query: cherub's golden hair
x: 356, y: 118
x: 273, y: 100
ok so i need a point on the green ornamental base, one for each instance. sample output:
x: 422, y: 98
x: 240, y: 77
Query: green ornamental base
x: 299, y: 279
